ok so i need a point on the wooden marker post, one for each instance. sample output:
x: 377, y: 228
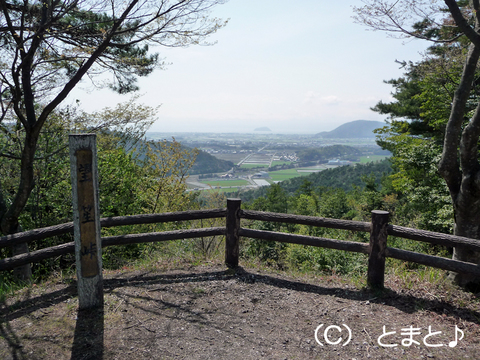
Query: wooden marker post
x: 232, y: 239
x: 86, y: 220
x: 378, y: 246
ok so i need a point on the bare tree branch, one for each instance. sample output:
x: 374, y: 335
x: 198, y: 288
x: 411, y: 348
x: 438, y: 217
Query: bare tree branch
x: 462, y: 23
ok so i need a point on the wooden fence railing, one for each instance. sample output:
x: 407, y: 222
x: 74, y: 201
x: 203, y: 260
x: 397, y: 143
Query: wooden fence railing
x: 376, y: 249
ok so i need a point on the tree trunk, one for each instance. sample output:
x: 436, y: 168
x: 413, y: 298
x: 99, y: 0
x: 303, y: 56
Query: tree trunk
x: 23, y: 272
x: 9, y: 218
x: 467, y: 223
x: 459, y: 165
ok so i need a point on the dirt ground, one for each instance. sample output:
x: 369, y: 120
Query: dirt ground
x: 208, y: 312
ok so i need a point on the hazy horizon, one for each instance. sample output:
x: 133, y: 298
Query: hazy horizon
x: 295, y: 68
x: 272, y: 132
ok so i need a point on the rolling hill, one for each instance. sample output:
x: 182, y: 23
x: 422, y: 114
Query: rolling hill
x: 206, y: 163
x: 353, y: 129
x: 343, y: 177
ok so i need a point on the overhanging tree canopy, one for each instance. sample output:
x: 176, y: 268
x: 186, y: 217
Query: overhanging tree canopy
x: 48, y: 46
x: 455, y: 25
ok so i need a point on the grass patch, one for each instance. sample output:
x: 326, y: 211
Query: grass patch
x: 8, y: 287
x: 281, y: 175
x: 223, y: 190
x: 223, y: 183
x: 310, y: 170
x: 253, y: 166
x: 279, y: 162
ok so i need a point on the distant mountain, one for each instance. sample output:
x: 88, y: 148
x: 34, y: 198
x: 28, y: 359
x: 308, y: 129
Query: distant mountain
x: 264, y: 128
x: 354, y: 129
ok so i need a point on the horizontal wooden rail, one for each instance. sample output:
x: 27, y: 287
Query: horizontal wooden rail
x: 46, y: 232
x: 428, y: 260
x: 37, y: 255
x: 68, y: 248
x: 233, y: 231
x: 162, y: 236
x: 165, y: 217
x: 434, y: 261
x: 306, y: 220
x: 305, y: 240
x: 433, y: 237
x: 37, y: 234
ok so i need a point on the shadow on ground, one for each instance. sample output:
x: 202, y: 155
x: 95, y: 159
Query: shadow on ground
x: 88, y: 338
x: 88, y: 341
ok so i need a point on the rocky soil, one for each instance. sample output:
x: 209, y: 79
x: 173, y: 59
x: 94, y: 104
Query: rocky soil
x: 208, y: 312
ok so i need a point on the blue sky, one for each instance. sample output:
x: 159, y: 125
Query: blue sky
x: 294, y: 66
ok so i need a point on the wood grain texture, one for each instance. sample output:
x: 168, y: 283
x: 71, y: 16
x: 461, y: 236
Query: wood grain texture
x: 69, y: 248
x: 306, y: 220
x: 232, y: 238
x: 377, y: 247
x: 434, y: 261
x: 46, y: 232
x: 433, y: 237
x: 305, y: 240
x: 86, y: 220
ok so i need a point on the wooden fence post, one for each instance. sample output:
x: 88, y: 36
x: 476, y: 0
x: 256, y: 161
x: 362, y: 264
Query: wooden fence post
x: 232, y: 239
x: 86, y: 220
x: 378, y: 245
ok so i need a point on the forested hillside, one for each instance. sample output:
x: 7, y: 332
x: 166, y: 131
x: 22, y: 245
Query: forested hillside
x: 323, y: 154
x: 206, y: 163
x: 344, y: 177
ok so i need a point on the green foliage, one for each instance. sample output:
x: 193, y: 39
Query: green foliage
x: 326, y: 153
x: 48, y: 47
x: 208, y: 247
x: 128, y: 184
x: 423, y: 97
x: 276, y: 200
x: 121, y: 183
x: 407, y: 200
x: 50, y: 201
x: 426, y: 199
x: 343, y: 177
x: 416, y: 132
x: 306, y: 205
x: 333, y: 203
x: 320, y: 260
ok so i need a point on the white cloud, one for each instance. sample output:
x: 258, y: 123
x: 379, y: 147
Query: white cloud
x: 315, y: 98
x: 330, y: 100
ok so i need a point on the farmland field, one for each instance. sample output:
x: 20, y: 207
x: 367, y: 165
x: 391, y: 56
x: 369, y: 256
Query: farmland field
x: 281, y: 175
x: 251, y: 166
x: 223, y: 183
x: 281, y: 162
